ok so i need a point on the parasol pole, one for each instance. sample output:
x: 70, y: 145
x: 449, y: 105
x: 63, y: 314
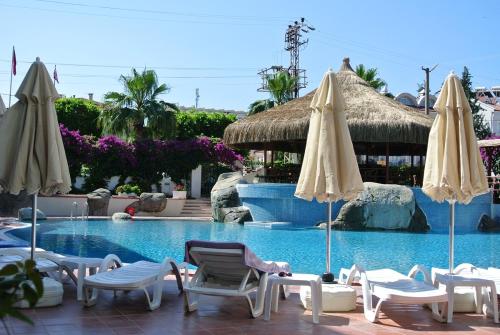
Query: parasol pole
x: 452, y: 236
x: 33, y: 225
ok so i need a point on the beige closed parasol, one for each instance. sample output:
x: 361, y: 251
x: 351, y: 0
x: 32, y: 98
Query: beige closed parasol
x: 329, y: 168
x: 454, y: 170
x: 32, y: 156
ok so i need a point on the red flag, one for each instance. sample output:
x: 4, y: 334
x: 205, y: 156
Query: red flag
x: 14, y: 62
x: 56, y: 78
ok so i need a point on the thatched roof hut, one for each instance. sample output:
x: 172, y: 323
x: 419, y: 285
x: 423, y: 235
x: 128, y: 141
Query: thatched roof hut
x: 374, y: 121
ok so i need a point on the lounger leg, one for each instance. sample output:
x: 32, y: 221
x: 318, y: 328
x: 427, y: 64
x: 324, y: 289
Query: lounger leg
x: 494, y: 302
x: 90, y: 296
x: 178, y: 278
x: 259, y: 300
x: 157, y: 293
x: 436, y: 314
x: 190, y: 301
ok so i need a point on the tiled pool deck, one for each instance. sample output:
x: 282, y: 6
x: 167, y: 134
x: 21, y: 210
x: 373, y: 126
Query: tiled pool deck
x: 127, y: 314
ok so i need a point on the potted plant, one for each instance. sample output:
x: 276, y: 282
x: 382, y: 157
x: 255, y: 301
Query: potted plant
x: 128, y: 190
x: 179, y: 192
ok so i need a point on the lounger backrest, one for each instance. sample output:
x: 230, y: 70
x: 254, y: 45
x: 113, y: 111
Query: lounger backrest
x: 223, y: 264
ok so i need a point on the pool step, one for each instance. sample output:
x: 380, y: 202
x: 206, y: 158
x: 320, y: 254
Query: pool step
x: 197, y: 208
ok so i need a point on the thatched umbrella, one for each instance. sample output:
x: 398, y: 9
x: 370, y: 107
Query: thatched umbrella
x: 371, y: 117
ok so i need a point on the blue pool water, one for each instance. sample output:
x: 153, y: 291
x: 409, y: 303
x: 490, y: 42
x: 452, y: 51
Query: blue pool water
x: 304, y: 249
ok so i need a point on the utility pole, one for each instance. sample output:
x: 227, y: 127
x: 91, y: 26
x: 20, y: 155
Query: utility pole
x: 426, y: 84
x: 293, y: 44
x: 197, y: 98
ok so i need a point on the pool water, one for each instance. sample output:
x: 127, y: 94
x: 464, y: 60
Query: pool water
x: 304, y: 249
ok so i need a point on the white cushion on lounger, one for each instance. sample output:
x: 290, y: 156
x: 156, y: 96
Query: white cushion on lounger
x: 336, y: 297
x: 52, y: 294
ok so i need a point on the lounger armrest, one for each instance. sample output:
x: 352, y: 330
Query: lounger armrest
x: 110, y: 261
x: 466, y: 267
x: 346, y: 276
x: 422, y: 269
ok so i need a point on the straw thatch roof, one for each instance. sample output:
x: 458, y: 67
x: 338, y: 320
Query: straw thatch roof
x: 494, y: 142
x: 371, y: 116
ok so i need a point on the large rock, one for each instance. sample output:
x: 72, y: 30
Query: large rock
x: 98, y: 201
x: 10, y: 204
x: 488, y: 225
x: 238, y: 214
x: 224, y: 194
x: 150, y: 203
x: 380, y: 206
x: 25, y: 214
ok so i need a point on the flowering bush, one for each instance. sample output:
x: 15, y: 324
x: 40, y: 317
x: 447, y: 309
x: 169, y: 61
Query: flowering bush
x: 78, y: 149
x: 491, y: 156
x: 145, y: 161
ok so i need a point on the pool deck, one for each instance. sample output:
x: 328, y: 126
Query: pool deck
x: 127, y: 314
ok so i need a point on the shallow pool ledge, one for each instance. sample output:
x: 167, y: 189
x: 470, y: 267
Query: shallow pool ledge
x: 276, y: 202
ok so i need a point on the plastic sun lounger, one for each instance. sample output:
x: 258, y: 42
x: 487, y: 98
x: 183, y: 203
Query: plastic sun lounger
x: 51, y: 262
x: 116, y: 276
x: 393, y: 287
x: 228, y: 269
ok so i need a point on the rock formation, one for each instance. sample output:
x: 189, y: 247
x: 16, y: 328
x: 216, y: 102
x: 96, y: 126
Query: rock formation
x: 386, y: 207
x: 98, y: 201
x: 226, y: 204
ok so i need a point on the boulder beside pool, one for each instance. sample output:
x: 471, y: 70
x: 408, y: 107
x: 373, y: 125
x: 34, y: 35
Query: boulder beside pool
x: 98, y: 201
x: 226, y: 203
x: 488, y: 225
x: 25, y: 214
x: 151, y: 203
x: 382, y: 207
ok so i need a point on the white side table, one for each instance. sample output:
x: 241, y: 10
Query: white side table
x: 81, y: 264
x: 297, y: 279
x: 451, y: 281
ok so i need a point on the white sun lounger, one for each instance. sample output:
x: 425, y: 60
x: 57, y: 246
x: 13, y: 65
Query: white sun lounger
x: 393, y: 287
x: 228, y: 269
x: 50, y: 262
x: 116, y: 276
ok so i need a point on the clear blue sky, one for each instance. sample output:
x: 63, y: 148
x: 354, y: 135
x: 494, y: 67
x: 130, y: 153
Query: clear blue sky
x: 218, y: 46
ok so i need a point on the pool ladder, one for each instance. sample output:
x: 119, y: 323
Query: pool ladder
x: 85, y: 211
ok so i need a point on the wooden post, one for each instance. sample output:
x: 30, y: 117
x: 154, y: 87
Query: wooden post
x: 412, y: 163
x: 387, y: 163
x: 490, y: 160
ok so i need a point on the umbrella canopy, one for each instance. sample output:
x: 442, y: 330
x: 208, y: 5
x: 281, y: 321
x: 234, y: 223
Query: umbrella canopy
x: 329, y: 167
x: 454, y: 170
x: 32, y: 156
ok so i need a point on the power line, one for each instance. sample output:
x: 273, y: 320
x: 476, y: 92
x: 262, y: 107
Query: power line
x: 150, y: 11
x: 52, y: 10
x: 187, y: 68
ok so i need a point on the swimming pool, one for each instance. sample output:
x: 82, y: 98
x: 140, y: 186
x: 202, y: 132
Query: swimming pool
x: 302, y: 248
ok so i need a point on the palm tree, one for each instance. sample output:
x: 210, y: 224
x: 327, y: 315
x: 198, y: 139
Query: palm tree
x: 281, y: 86
x: 137, y: 113
x: 370, y: 76
x: 259, y: 106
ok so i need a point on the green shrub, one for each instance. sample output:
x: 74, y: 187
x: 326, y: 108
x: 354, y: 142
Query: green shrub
x: 79, y: 114
x: 128, y: 188
x: 191, y: 124
x: 19, y: 281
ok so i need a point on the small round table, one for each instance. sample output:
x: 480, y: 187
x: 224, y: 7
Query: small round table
x: 297, y: 279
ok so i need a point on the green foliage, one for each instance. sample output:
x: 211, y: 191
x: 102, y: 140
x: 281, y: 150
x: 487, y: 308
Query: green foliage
x: 259, y: 106
x: 129, y: 188
x: 281, y: 86
x: 19, y: 281
x: 191, y: 124
x: 79, y: 114
x: 481, y: 128
x: 370, y: 76
x: 137, y: 113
